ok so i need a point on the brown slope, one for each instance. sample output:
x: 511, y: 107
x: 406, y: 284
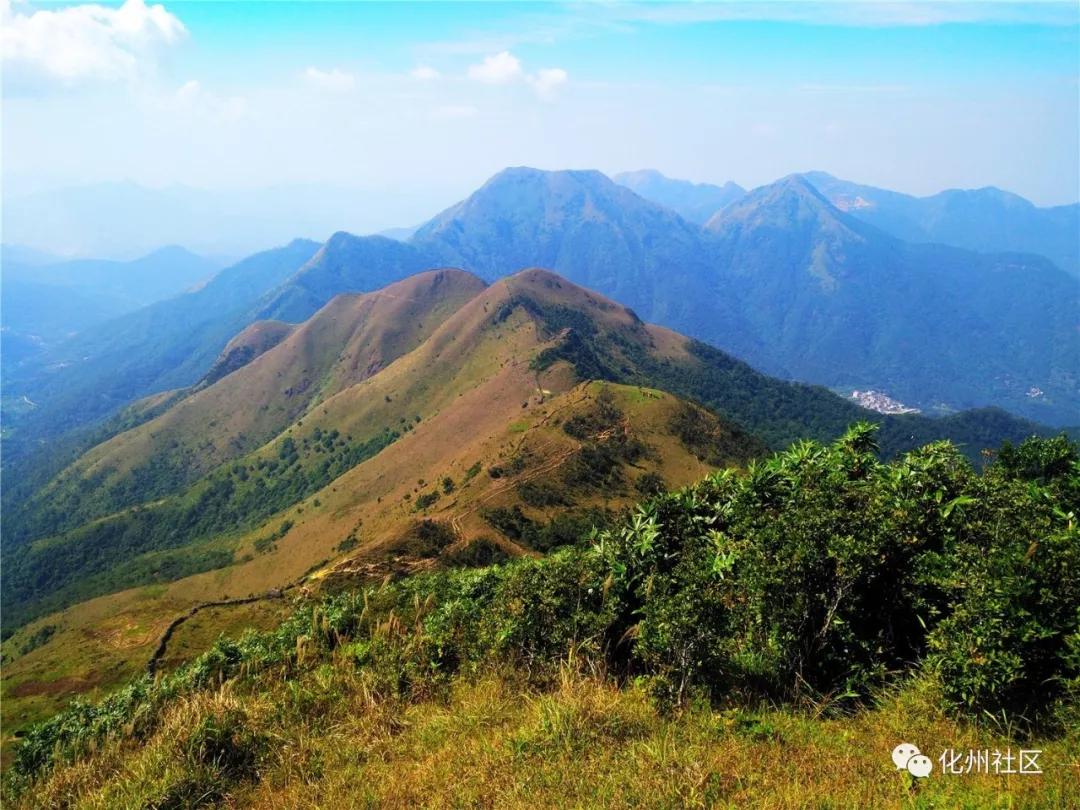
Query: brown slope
x: 253, y: 341
x: 348, y: 340
x: 495, y: 335
x: 481, y: 401
x: 108, y: 639
x: 464, y: 396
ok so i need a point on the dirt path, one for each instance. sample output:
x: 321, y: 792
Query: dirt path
x: 546, y: 467
x: 163, y: 642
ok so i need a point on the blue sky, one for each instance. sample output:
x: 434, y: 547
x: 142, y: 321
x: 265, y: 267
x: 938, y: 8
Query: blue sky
x: 416, y: 104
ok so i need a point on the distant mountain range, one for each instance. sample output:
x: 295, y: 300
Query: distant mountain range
x: 794, y: 285
x: 46, y: 299
x: 168, y: 344
x: 834, y: 300
x: 781, y: 277
x: 695, y: 202
x: 160, y: 274
x: 987, y: 220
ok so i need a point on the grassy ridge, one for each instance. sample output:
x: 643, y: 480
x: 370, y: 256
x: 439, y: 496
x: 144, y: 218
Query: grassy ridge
x: 170, y: 539
x: 94, y: 530
x: 915, y: 571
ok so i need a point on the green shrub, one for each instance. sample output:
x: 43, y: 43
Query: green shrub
x: 821, y: 572
x: 541, y: 494
x: 349, y: 543
x: 651, y: 483
x: 426, y: 499
x: 427, y: 538
x: 480, y: 553
x: 1009, y: 642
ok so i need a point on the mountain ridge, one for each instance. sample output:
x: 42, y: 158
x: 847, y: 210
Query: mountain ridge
x: 695, y: 202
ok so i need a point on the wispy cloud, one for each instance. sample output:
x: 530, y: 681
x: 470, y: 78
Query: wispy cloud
x: 424, y: 73
x: 558, y: 23
x: 547, y: 81
x: 191, y: 98
x: 335, y: 79
x: 872, y: 13
x: 85, y: 42
x: 855, y: 89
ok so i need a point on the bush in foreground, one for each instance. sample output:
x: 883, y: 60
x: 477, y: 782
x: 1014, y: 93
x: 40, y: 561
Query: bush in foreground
x: 821, y: 574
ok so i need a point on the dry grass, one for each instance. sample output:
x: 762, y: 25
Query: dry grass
x: 472, y: 428
x: 328, y: 743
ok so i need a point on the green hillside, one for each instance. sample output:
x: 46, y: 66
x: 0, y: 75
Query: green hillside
x: 174, y: 495
x: 648, y: 652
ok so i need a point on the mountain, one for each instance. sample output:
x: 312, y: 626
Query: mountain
x: 596, y: 233
x: 846, y: 305
x: 169, y: 344
x: 48, y: 312
x: 163, y: 273
x: 791, y: 283
x: 45, y: 300
x: 492, y: 400
x: 986, y: 219
x: 378, y: 391
x: 277, y: 371
x: 11, y: 253
x: 606, y: 237
x: 695, y: 202
x: 346, y: 263
x: 172, y: 344
x: 432, y: 423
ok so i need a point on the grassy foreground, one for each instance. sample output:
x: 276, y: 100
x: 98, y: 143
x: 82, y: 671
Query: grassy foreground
x: 760, y: 640
x: 327, y: 740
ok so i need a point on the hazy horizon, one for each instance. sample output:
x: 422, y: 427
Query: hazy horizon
x: 915, y: 97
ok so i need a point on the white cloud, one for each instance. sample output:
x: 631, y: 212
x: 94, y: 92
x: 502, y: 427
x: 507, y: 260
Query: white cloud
x: 505, y: 68
x: 86, y: 42
x: 424, y: 73
x: 335, y: 79
x: 502, y: 68
x: 547, y: 81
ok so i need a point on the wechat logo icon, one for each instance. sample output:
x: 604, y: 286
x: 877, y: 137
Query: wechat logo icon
x: 907, y: 757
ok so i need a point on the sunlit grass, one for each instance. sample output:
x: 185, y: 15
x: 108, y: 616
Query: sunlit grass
x: 326, y: 740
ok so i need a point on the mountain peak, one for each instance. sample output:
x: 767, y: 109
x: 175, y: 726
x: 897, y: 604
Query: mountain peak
x: 789, y: 202
x: 530, y: 175
x: 524, y: 217
x: 795, y: 184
